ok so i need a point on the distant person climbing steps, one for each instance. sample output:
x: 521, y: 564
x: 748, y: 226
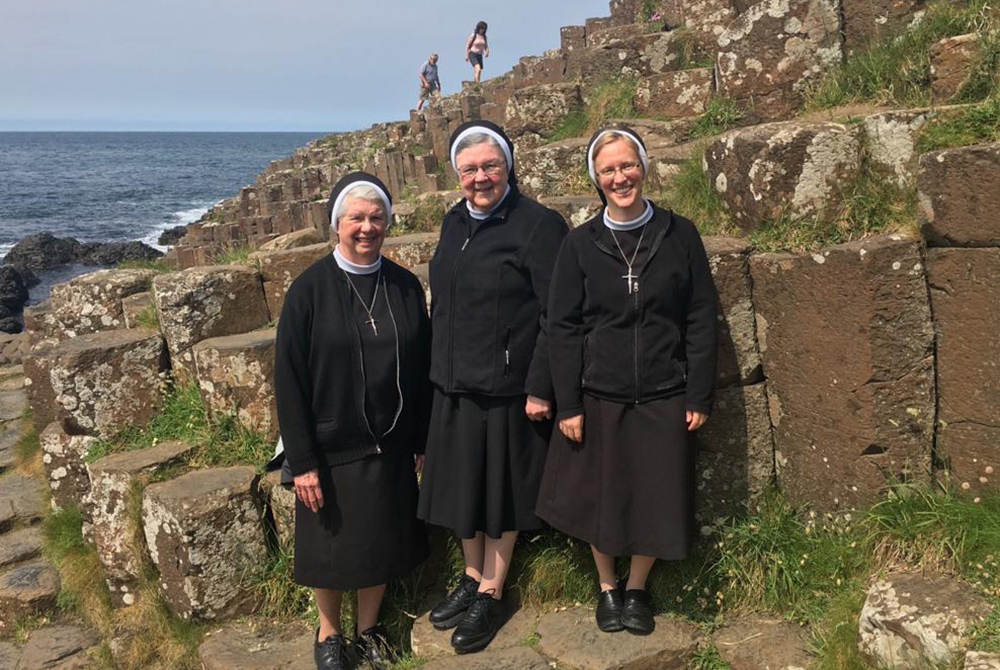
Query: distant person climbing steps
x: 477, y: 48
x: 429, y: 82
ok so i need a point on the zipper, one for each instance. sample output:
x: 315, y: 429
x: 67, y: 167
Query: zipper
x: 635, y: 347
x: 451, y: 316
x: 506, y: 353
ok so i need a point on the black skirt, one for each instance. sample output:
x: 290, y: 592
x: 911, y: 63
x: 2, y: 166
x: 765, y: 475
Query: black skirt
x: 367, y: 531
x: 484, y: 465
x: 628, y: 489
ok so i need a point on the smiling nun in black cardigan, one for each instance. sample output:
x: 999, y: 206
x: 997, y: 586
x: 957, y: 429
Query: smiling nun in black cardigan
x: 632, y: 340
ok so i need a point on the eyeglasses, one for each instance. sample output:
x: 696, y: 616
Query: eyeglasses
x: 491, y: 168
x: 625, y: 168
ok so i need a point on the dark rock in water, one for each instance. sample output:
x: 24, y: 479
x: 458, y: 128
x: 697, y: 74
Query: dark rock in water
x: 29, y: 278
x: 11, y: 325
x: 43, y: 251
x: 171, y: 236
x: 13, y: 292
x: 113, y: 253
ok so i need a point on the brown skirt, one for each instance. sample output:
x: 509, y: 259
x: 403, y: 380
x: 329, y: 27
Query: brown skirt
x: 628, y: 489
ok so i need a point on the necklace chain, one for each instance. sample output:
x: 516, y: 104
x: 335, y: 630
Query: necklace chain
x: 628, y: 263
x: 371, y: 319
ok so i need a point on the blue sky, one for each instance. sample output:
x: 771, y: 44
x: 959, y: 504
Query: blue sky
x: 249, y: 65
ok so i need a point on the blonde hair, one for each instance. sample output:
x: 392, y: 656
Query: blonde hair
x: 610, y: 138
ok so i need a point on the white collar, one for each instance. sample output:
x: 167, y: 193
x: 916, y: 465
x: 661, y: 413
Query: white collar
x: 482, y: 216
x: 354, y: 268
x: 638, y: 222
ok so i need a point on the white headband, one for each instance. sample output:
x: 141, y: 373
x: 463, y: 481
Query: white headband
x: 351, y: 187
x: 643, y: 157
x: 481, y: 130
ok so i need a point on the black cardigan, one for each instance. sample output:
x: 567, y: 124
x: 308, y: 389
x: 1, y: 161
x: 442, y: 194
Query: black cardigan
x: 318, y: 379
x: 658, y: 342
x: 489, y: 289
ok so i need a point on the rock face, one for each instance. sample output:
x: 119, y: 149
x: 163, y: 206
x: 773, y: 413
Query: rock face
x: 236, y: 373
x: 62, y: 456
x: 769, y: 54
x: 558, y: 167
x: 41, y: 396
x: 113, y: 253
x: 410, y: 250
x: 22, y: 499
x: 850, y: 373
x: 45, y: 251
x: 92, y: 302
x: 892, y: 138
x: 20, y: 545
x: 965, y: 292
x: 135, y: 306
x: 13, y: 296
x: 60, y: 647
x: 264, y: 645
x: 171, y: 236
x: 738, y: 360
x: 203, y: 302
x: 868, y: 22
x: 571, y: 637
x: 278, y: 269
x: 281, y: 501
x: 539, y: 109
x: 754, y: 643
x: 104, y: 382
x: 112, y: 480
x: 192, y: 521
x: 28, y: 588
x: 429, y: 642
x: 300, y: 238
x: 643, y: 56
x: 773, y: 169
x: 911, y: 621
x: 952, y: 59
x: 674, y: 94
x: 576, y: 209
x: 515, y: 658
x: 960, y: 196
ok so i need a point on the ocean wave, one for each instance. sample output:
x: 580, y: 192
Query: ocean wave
x: 181, y: 217
x: 4, y: 248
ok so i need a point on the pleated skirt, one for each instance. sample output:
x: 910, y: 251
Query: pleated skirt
x: 367, y: 531
x: 484, y: 465
x: 628, y: 489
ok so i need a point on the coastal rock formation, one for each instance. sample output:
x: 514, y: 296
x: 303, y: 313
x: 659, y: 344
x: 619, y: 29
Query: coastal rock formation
x: 675, y: 94
x: 952, y: 60
x: 850, y: 374
x: 45, y: 251
x: 27, y: 589
x: 428, y: 642
x: 137, y: 308
x: 981, y: 660
x: 259, y: 646
x: 558, y: 167
x: 868, y: 22
x: 63, y: 457
x: 960, y: 196
x: 59, y: 647
x: 92, y: 302
x: 410, y: 250
x: 539, y: 109
x: 754, y: 643
x: 738, y: 360
x: 20, y: 545
x: 281, y: 502
x: 41, y: 395
x: 191, y: 521
x: 300, y: 238
x: 278, y: 269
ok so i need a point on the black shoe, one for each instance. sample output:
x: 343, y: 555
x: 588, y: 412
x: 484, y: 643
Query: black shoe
x: 609, y: 611
x: 372, y: 649
x: 330, y: 654
x: 449, y: 612
x: 485, y: 616
x: 637, y: 612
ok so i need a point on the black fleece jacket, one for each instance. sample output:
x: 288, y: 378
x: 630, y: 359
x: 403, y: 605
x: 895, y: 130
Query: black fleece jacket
x: 318, y: 375
x: 489, y: 290
x: 657, y: 342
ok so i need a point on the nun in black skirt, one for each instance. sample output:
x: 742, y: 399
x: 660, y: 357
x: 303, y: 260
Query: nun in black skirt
x: 353, y: 399
x: 632, y: 342
x: 492, y: 413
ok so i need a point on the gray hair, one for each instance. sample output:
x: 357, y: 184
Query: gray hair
x: 480, y: 138
x: 362, y: 192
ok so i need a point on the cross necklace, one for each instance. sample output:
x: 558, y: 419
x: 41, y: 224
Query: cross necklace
x: 368, y: 308
x: 631, y: 280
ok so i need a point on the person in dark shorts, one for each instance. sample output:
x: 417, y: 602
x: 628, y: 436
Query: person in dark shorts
x: 476, y: 49
x: 430, y: 84
x: 352, y: 392
x: 632, y: 348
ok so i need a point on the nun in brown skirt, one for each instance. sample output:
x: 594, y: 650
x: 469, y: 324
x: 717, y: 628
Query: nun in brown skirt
x: 632, y: 342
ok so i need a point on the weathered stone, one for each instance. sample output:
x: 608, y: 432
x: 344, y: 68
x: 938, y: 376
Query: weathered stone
x: 869, y: 22
x: 279, y: 269
x: 738, y: 361
x: 429, y: 642
x: 516, y: 658
x: 39, y: 324
x: 558, y: 167
x: 539, y: 109
x: 281, y: 501
x: 259, y: 645
x: 20, y: 545
x: 236, y: 374
x: 965, y: 292
x: 38, y: 384
x: 203, y: 531
x: 24, y: 496
x: 576, y: 209
x: 59, y: 647
x: 410, y: 250
x: 8, y: 447
x: 952, y: 60
x: 615, y: 34
x: 134, y: 306
x: 981, y: 660
x: 624, y: 12
x: 736, y: 453
x: 572, y: 639
x: 706, y: 20
x: 960, y: 196
x: 204, y: 302
x: 774, y: 169
x: 892, y: 138
x: 918, y: 620
x: 642, y: 56
x: 300, y: 238
x: 12, y: 404
x: 28, y: 588
x: 92, y: 302
x: 675, y: 94
x: 104, y: 382
x: 9, y: 655
x: 112, y: 479
x: 63, y: 458
x: 850, y: 374
x: 770, y: 53
x: 423, y: 273
x: 769, y: 644
x: 572, y: 39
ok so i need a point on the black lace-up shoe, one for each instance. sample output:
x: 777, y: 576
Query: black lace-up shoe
x: 637, y: 612
x: 450, y: 611
x: 485, y: 616
x: 373, y: 649
x: 609, y: 611
x: 330, y: 654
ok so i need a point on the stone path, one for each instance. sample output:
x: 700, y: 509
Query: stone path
x: 29, y: 584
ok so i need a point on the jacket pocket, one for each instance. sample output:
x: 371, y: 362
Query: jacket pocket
x: 506, y: 352
x: 587, y: 359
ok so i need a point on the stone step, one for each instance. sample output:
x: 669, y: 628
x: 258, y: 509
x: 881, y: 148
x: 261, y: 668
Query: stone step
x: 59, y: 647
x: 576, y: 209
x: 514, y: 658
x: 13, y: 404
x: 410, y: 250
x: 431, y: 643
x: 9, y: 438
x: 9, y: 655
x: 751, y: 643
x: 261, y: 645
x: 28, y: 588
x: 20, y: 545
x: 22, y: 499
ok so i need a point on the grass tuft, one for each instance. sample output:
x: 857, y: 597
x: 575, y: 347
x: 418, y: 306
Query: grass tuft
x: 426, y: 217
x: 692, y: 194
x: 148, y: 318
x: 610, y: 99
x: 707, y: 657
x: 720, y: 115
x: 235, y: 253
x: 158, y: 264
x: 975, y: 125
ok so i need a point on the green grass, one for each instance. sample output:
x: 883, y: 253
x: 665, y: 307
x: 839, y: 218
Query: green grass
x: 975, y: 125
x: 28, y: 446
x: 707, y: 657
x: 720, y: 115
x: 898, y: 72
x: 159, y: 265
x: 610, y: 99
x: 148, y: 318
x: 573, y: 124
x: 692, y: 194
x: 427, y: 215
x: 237, y: 253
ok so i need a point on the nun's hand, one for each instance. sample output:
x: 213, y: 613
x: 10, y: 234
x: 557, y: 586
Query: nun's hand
x: 695, y: 420
x: 308, y: 490
x: 572, y: 428
x: 418, y: 463
x: 537, y: 409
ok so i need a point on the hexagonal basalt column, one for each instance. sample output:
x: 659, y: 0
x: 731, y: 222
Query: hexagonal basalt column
x: 278, y: 269
x: 92, y: 302
x: 204, y: 531
x: 960, y: 196
x: 63, y: 457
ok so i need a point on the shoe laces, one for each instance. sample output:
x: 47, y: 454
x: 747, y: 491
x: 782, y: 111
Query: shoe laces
x: 332, y: 648
x: 480, y: 606
x: 466, y: 588
x: 374, y: 645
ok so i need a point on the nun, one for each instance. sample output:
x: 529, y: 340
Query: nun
x: 491, y: 417
x: 351, y: 362
x: 632, y: 345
